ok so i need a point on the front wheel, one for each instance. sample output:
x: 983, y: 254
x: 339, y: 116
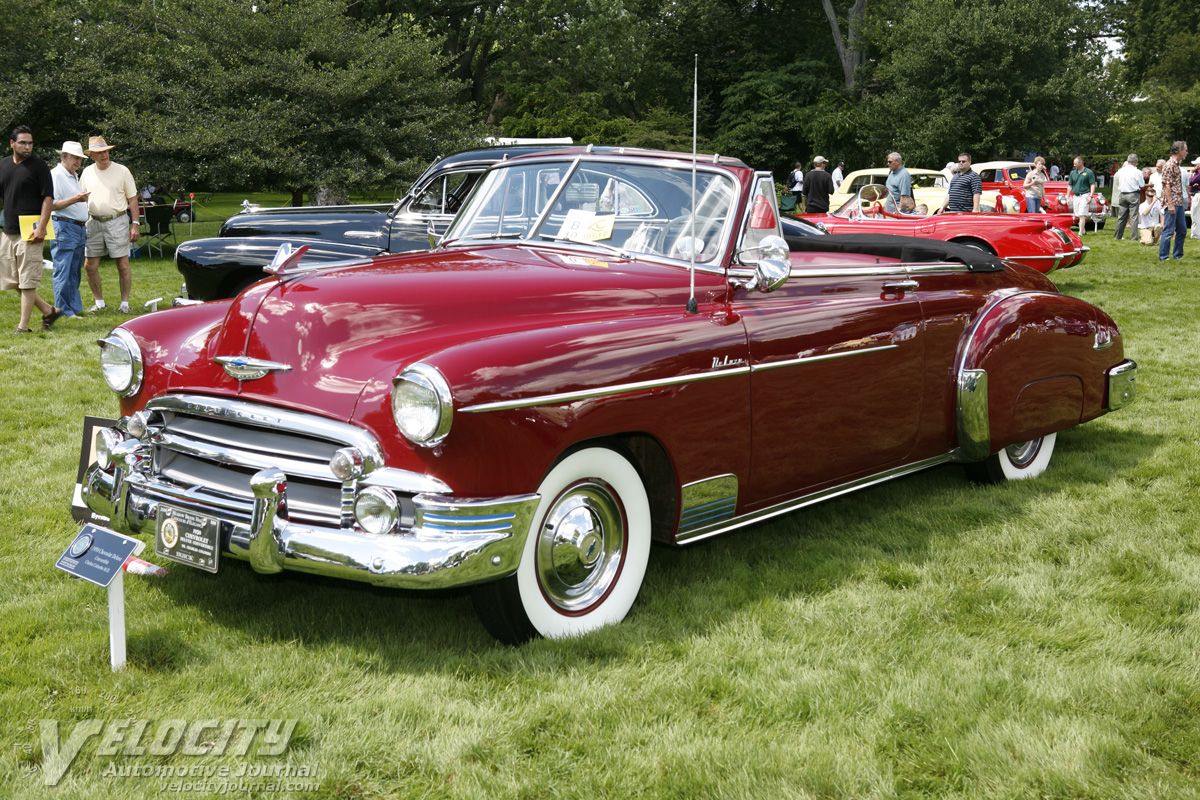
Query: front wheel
x: 1015, y: 462
x: 585, y: 555
x: 184, y: 216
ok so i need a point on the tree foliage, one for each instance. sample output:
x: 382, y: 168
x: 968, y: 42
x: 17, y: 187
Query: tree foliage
x: 284, y: 94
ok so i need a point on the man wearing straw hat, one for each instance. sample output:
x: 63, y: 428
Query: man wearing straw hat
x: 109, y: 231
x: 70, y: 227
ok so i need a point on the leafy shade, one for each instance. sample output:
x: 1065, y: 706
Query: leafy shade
x: 978, y: 75
x: 284, y: 96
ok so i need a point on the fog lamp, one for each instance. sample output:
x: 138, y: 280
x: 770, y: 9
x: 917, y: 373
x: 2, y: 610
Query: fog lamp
x: 107, y: 440
x: 347, y: 463
x: 376, y: 510
x: 137, y: 424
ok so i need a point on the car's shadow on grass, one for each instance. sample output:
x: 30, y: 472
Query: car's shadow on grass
x: 882, y: 533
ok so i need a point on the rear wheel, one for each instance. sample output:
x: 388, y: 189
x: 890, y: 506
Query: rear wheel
x: 1015, y: 462
x: 585, y: 555
x: 184, y: 216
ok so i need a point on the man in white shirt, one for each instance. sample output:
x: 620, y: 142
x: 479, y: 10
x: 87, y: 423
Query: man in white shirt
x: 109, y: 231
x: 1155, y: 178
x: 839, y: 175
x: 1151, y: 217
x: 1128, y: 187
x: 69, y: 213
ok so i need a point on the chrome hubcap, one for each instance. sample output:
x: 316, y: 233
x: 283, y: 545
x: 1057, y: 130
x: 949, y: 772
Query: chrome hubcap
x: 579, y: 547
x: 1022, y: 455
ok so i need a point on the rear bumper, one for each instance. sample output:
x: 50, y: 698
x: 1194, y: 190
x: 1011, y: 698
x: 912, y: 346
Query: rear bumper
x: 452, y: 541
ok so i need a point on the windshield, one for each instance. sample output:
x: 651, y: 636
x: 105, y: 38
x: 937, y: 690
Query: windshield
x: 636, y: 208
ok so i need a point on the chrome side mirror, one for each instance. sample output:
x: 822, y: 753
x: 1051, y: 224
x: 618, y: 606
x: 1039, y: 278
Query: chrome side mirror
x: 769, y: 275
x: 773, y: 247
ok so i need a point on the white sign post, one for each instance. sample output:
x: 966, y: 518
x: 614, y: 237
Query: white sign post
x: 100, y: 556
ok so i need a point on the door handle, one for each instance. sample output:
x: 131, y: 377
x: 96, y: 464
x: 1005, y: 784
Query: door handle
x: 900, y: 287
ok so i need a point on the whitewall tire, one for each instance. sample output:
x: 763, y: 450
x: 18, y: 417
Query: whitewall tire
x: 585, y: 555
x: 1015, y: 462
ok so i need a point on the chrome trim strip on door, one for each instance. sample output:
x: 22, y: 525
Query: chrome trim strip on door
x: 718, y: 528
x: 601, y: 391
x: 825, y: 357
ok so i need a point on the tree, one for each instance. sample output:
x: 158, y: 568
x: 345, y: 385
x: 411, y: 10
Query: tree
x: 272, y: 95
x: 1002, y: 76
x: 848, y: 49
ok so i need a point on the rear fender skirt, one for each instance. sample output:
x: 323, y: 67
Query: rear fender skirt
x: 1026, y: 368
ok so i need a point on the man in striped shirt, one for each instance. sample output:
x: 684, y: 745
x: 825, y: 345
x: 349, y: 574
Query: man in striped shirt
x: 965, y: 187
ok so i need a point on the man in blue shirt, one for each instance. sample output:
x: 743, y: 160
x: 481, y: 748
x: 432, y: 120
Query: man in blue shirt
x: 965, y: 187
x: 899, y: 185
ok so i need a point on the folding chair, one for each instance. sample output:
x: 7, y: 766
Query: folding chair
x: 160, y: 228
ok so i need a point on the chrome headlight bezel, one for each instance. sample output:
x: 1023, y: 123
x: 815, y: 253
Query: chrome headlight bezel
x: 121, y: 363
x: 422, y: 405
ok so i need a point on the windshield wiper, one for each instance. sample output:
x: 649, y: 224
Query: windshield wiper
x: 608, y: 248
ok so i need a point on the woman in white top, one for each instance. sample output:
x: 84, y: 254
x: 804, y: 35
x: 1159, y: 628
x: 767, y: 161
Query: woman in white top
x: 1150, y: 218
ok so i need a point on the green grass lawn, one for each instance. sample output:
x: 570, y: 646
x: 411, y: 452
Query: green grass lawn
x: 924, y: 638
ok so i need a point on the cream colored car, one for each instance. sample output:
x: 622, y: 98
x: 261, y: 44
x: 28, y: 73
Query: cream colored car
x: 929, y: 186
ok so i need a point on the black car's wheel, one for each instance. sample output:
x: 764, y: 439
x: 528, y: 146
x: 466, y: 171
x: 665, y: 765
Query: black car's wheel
x: 184, y: 216
x: 1015, y: 462
x: 585, y: 555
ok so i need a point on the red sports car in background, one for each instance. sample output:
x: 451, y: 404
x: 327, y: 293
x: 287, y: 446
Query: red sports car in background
x: 1008, y: 178
x: 1044, y: 242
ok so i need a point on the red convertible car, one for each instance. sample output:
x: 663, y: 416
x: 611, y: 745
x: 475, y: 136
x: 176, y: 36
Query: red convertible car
x: 605, y: 351
x: 1008, y: 178
x: 1044, y: 242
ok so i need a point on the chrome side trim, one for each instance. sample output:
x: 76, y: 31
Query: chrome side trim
x: 602, y: 391
x: 1122, y: 385
x: 718, y: 528
x: 362, y: 234
x: 971, y: 417
x: 824, y: 357
x: 707, y: 502
x: 882, y: 270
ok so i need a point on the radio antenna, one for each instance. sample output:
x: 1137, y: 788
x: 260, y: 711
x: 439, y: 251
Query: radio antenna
x: 692, y: 306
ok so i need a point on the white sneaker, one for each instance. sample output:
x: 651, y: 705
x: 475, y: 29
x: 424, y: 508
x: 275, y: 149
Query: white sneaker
x: 123, y: 308
x: 97, y: 307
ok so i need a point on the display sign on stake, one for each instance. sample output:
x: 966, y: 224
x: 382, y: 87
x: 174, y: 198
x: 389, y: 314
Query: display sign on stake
x: 98, y: 556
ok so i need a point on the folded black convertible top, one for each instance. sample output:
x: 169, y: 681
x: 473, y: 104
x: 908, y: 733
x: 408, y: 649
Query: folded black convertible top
x: 909, y: 249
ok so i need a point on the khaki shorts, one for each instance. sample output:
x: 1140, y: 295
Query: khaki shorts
x: 108, y: 238
x: 1150, y: 235
x: 20, y: 263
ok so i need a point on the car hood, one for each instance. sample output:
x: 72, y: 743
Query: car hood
x: 329, y: 222
x: 333, y: 332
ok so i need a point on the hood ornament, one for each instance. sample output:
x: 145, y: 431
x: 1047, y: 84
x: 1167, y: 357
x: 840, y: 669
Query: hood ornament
x: 286, y: 258
x: 242, y: 368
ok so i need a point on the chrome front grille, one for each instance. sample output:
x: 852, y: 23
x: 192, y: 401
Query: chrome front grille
x: 214, y: 446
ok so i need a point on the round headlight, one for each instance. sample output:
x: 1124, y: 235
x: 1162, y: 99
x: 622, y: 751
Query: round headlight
x: 121, y: 362
x: 422, y: 405
x: 376, y: 510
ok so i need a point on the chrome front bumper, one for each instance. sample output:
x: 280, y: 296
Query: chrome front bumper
x: 453, y: 541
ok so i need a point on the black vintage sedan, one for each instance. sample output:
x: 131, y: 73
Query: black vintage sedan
x: 222, y: 267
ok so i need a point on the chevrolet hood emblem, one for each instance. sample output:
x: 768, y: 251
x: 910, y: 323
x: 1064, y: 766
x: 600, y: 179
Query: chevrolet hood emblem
x: 249, y: 369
